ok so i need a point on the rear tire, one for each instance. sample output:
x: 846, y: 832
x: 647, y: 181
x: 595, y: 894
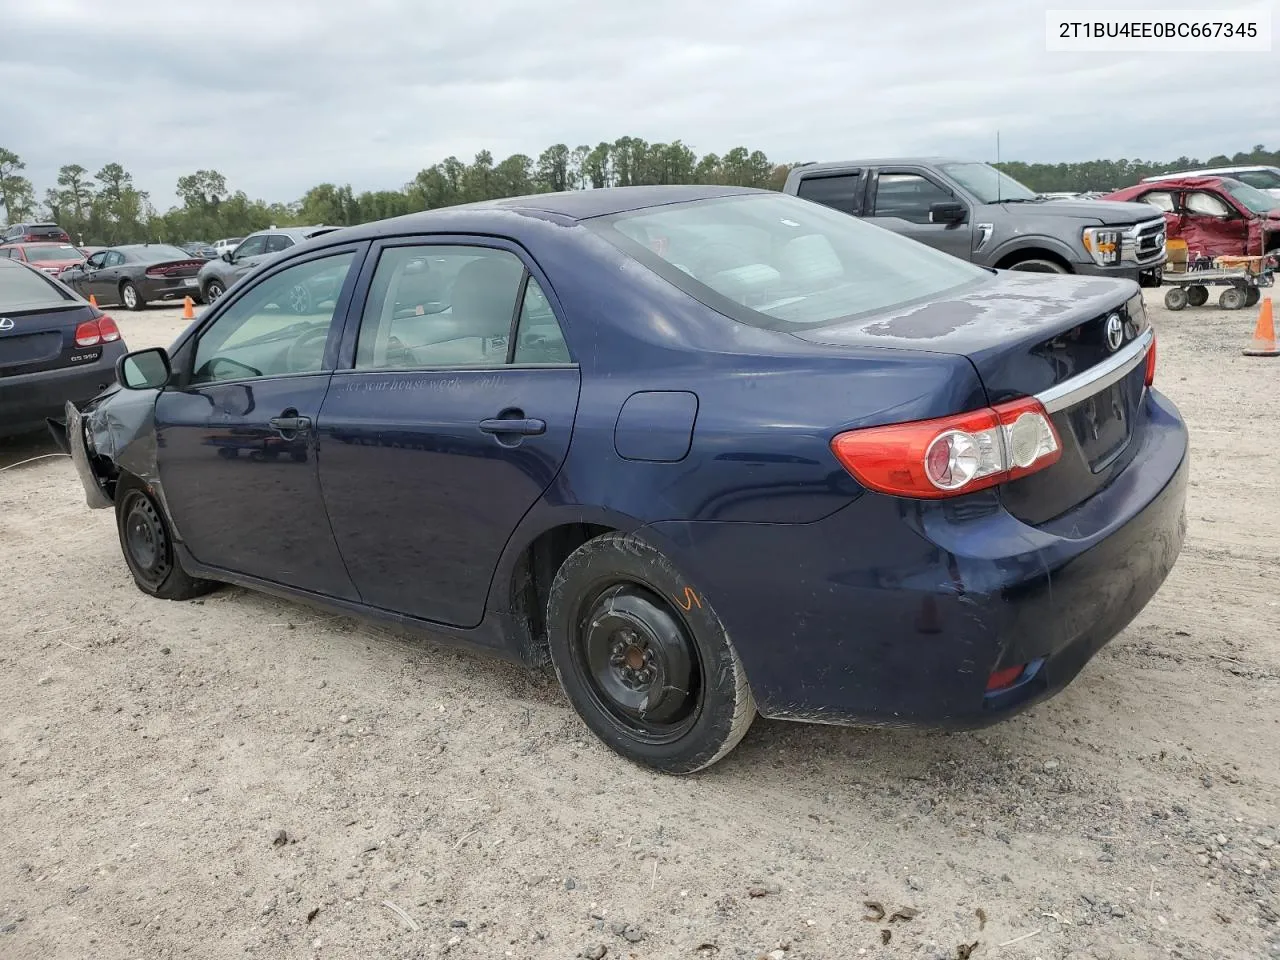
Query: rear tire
x: 657, y: 683
x: 1233, y: 298
x: 1176, y: 298
x: 130, y: 297
x: 1252, y: 297
x: 147, y: 543
x: 1197, y: 296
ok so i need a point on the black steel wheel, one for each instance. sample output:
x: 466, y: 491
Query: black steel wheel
x: 643, y: 657
x: 1197, y: 295
x: 147, y: 543
x: 1176, y: 298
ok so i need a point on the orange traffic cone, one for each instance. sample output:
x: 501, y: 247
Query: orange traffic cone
x: 93, y: 301
x: 1264, y: 335
x: 187, y: 312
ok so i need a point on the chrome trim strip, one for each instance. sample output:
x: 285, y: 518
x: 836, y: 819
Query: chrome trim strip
x: 1099, y: 376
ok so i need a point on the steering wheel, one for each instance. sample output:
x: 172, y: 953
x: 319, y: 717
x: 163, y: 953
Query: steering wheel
x: 303, y: 355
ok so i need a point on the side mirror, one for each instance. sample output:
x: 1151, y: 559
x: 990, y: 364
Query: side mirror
x: 227, y: 256
x: 144, y: 369
x: 948, y: 211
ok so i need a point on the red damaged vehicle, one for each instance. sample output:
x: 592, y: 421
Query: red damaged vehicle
x: 1216, y: 216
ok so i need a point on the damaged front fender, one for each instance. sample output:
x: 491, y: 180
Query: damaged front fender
x: 114, y: 433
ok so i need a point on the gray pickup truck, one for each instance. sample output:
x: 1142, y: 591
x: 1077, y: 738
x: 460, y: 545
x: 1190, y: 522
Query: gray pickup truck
x: 975, y: 212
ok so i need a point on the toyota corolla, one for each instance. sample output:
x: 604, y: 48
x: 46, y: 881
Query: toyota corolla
x: 709, y: 452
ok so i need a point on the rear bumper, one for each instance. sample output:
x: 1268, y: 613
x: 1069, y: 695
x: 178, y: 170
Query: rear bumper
x: 26, y: 400
x: 169, y: 289
x: 896, y: 612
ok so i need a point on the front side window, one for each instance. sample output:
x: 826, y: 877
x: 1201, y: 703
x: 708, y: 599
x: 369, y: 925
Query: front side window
x: 96, y: 260
x: 775, y: 261
x: 1206, y: 205
x: 432, y: 306
x: 277, y: 327
x: 251, y: 247
x: 113, y: 259
x: 908, y: 196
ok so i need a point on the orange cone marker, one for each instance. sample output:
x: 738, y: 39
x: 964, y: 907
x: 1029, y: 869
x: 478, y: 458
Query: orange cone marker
x: 187, y: 312
x: 1264, y: 335
x: 93, y: 301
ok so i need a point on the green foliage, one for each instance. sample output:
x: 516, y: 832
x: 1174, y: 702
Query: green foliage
x: 107, y: 208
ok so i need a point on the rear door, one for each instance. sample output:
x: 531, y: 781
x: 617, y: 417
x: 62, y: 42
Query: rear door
x: 454, y: 418
x: 236, y: 441
x: 900, y: 200
x: 840, y: 191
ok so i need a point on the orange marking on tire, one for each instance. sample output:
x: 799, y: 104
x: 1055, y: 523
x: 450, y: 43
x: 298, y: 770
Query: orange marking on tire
x: 690, y: 598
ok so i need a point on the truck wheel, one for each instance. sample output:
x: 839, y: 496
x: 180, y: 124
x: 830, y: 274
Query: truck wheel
x: 1233, y: 298
x: 1252, y: 297
x: 1177, y: 297
x: 644, y: 659
x: 1039, y: 266
x: 1197, y: 296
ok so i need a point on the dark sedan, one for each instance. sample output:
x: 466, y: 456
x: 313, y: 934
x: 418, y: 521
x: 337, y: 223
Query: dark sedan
x: 706, y: 450
x: 137, y: 273
x: 54, y: 348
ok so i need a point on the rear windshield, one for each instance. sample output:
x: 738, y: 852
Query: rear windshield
x: 774, y: 261
x: 52, y: 253
x: 22, y: 286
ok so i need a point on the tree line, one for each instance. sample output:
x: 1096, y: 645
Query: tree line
x: 108, y: 208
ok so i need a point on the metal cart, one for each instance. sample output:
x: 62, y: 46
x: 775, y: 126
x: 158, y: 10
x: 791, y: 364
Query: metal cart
x: 1243, y: 283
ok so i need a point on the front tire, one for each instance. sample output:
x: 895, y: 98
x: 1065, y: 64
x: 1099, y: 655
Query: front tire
x: 644, y: 659
x: 213, y: 290
x: 130, y: 296
x: 1038, y: 265
x: 147, y: 543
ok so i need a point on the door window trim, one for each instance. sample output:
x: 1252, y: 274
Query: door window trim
x: 184, y: 353
x: 355, y: 314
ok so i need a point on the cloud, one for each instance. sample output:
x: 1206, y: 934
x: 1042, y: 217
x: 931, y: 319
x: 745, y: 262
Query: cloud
x: 280, y: 95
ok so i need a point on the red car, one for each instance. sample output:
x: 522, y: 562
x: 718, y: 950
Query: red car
x: 50, y: 257
x: 1216, y: 216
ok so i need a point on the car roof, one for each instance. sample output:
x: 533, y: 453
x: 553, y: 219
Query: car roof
x: 1204, y: 171
x: 1180, y: 183
x: 298, y: 233
x: 836, y: 165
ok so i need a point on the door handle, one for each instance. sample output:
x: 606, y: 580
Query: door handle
x: 290, y: 424
x: 524, y: 428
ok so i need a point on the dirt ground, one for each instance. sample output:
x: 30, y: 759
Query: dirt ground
x: 244, y: 776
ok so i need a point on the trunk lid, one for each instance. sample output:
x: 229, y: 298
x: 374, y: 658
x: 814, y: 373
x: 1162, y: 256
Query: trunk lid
x: 175, y: 269
x: 38, y: 321
x: 1036, y: 335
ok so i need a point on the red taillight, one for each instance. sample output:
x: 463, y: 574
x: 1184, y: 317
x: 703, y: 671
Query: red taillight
x: 108, y: 330
x: 1003, y: 678
x: 1151, y: 360
x: 930, y: 459
x: 88, y: 334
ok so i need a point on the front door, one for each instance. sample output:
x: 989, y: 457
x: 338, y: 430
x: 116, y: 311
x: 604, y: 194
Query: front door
x: 448, y: 428
x: 237, y: 442
x: 88, y: 283
x: 247, y: 256
x: 1211, y: 227
x: 901, y: 202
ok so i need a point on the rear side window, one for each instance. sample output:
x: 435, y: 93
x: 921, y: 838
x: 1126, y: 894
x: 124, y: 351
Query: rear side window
x: 1160, y: 199
x: 440, y: 306
x: 277, y: 242
x: 908, y: 196
x: 21, y: 285
x: 838, y: 192
x: 775, y: 261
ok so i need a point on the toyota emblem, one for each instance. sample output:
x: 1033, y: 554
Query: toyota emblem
x: 1114, y: 332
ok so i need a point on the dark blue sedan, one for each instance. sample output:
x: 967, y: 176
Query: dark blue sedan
x: 708, y: 451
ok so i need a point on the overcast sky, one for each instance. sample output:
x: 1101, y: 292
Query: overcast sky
x: 280, y: 95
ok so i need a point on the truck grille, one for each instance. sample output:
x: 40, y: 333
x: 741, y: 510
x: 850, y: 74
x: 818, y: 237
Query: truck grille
x: 1148, y: 241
